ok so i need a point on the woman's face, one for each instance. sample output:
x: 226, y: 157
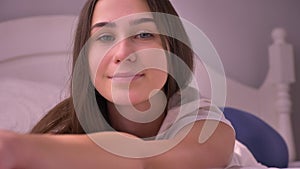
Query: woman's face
x: 126, y: 56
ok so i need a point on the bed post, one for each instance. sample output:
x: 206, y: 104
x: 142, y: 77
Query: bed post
x: 282, y: 75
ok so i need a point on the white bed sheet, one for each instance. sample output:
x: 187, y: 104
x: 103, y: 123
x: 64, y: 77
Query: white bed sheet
x: 23, y: 103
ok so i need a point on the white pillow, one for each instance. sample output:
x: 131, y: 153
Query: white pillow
x: 23, y: 103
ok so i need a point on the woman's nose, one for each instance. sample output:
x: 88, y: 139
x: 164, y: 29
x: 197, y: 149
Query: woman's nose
x: 122, y: 50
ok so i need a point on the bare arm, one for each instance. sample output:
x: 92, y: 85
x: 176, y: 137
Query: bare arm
x: 216, y: 152
x: 79, y: 151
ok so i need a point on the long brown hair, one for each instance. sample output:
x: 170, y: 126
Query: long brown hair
x: 64, y: 117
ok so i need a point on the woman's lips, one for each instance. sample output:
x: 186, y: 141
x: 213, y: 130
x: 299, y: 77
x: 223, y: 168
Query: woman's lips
x: 126, y: 77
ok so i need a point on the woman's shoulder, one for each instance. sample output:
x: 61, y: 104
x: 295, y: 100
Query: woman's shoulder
x: 186, y: 107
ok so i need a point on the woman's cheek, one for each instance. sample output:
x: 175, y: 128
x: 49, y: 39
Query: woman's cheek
x: 98, y: 60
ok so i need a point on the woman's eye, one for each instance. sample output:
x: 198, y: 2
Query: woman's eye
x: 144, y: 35
x: 106, y: 38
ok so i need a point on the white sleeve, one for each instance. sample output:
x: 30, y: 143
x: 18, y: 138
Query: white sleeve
x: 243, y: 158
x: 179, y: 117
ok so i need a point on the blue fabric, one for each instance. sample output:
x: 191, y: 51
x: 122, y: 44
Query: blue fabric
x: 267, y: 146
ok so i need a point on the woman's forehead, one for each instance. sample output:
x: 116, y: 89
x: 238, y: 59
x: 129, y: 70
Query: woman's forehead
x: 110, y: 10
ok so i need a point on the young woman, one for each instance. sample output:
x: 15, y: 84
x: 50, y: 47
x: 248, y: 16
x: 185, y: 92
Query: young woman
x: 111, y: 119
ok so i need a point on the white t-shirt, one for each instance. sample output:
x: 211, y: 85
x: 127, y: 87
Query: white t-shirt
x: 187, y: 108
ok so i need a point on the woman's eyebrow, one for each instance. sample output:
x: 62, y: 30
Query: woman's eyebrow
x: 141, y: 21
x: 113, y: 24
x: 102, y: 24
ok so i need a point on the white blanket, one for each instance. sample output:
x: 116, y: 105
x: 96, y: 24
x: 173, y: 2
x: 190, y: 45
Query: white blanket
x: 243, y: 158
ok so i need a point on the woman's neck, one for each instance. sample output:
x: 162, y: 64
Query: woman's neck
x: 121, y: 122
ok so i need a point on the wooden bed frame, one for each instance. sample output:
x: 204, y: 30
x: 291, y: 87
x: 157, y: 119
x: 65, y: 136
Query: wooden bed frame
x: 38, y: 49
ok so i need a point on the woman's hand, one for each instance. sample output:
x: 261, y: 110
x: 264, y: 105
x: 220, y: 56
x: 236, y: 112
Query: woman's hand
x: 17, y: 150
x: 8, y: 147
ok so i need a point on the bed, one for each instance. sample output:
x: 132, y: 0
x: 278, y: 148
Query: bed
x: 35, y: 67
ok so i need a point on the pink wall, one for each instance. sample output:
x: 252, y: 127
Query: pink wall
x: 240, y: 31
